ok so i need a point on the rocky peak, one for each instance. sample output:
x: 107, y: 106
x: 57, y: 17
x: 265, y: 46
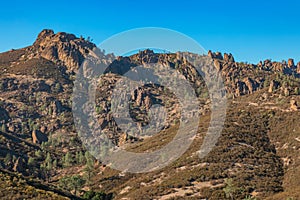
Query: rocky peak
x: 63, y: 48
x: 228, y: 57
x: 216, y: 55
x: 291, y: 63
x: 43, y: 35
x: 146, y: 56
x: 146, y: 52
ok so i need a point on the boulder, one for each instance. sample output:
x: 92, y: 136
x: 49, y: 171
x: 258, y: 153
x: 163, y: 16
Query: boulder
x: 19, y: 165
x: 294, y: 106
x: 273, y: 86
x: 38, y: 137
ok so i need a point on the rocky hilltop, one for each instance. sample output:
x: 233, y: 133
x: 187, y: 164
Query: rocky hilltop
x: 41, y: 155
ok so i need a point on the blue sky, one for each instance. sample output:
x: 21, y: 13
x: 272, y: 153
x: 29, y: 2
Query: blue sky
x: 250, y: 30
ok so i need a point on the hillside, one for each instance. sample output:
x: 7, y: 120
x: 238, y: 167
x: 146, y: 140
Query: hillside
x: 42, y: 156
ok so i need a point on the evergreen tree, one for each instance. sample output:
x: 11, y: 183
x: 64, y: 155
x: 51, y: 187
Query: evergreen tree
x: 54, y: 164
x: 3, y: 128
x: 76, y: 183
x: 31, y: 161
x: 48, y: 162
x: 68, y: 160
x: 8, y: 160
x: 39, y: 154
x: 89, y: 167
x: 81, y: 158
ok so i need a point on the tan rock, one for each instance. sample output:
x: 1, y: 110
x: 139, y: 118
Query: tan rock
x: 123, y: 139
x: 228, y: 57
x: 273, y: 86
x: 286, y: 92
x: 19, y: 165
x: 210, y: 54
x: 218, y: 65
x: 294, y: 106
x: 147, y: 102
x: 63, y: 48
x: 298, y: 67
x: 250, y: 84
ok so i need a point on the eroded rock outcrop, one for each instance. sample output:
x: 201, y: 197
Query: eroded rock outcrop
x: 63, y: 48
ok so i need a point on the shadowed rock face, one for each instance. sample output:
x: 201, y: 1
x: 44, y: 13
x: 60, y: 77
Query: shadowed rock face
x: 291, y: 63
x: 3, y: 115
x: 38, y: 137
x: 62, y: 48
x: 19, y: 165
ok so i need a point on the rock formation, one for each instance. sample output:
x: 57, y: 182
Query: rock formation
x: 294, y: 106
x: 291, y: 63
x: 63, y: 48
x: 19, y: 165
x: 38, y: 137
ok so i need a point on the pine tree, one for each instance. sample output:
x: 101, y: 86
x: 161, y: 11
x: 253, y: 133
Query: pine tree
x: 89, y: 167
x: 3, y: 128
x: 81, y: 158
x: 8, y: 160
x: 68, y: 160
x: 39, y: 154
x: 54, y: 164
x: 31, y: 161
x: 48, y: 162
x: 76, y: 183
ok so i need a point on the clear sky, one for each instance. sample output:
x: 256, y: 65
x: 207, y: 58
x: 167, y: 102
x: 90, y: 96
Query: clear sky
x: 250, y: 30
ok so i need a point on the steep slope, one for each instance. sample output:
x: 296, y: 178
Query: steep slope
x: 257, y: 154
